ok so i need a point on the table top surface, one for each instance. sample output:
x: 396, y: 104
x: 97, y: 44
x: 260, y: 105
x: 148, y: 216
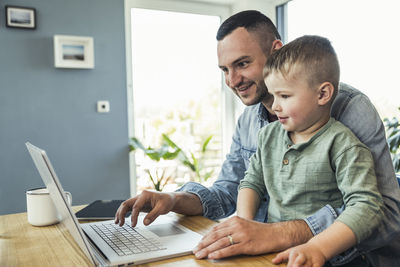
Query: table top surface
x: 22, y: 244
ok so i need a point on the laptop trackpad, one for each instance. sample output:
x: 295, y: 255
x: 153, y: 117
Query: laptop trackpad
x: 163, y: 230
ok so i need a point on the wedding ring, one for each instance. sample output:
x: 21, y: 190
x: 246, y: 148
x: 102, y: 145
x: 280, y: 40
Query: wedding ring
x: 230, y: 239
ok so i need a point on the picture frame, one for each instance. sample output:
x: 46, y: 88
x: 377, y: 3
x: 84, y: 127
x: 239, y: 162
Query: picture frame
x: 73, y: 52
x: 20, y: 17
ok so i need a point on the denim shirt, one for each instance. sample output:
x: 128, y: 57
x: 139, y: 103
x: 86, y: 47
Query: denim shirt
x: 354, y: 110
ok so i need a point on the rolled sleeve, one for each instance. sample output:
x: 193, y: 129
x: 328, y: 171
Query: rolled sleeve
x: 321, y: 220
x: 212, y: 207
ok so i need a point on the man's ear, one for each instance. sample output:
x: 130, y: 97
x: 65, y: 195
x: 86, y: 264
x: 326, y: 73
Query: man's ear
x: 276, y: 44
x: 325, y: 93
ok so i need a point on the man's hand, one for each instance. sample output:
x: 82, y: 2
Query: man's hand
x: 251, y: 238
x: 155, y: 203
x: 248, y: 237
x: 303, y: 255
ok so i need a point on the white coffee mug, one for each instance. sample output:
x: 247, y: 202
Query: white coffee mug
x: 40, y: 207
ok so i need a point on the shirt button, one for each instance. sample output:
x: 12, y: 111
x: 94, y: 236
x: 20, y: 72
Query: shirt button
x: 289, y: 146
x: 285, y: 161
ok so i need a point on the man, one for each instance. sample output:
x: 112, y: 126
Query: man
x: 245, y: 41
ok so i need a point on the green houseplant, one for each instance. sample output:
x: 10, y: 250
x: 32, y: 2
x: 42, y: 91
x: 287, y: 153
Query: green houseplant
x: 169, y: 150
x: 195, y: 162
x: 159, y: 178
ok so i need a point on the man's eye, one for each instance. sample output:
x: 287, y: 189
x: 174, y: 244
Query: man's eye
x: 243, y: 64
x: 285, y: 96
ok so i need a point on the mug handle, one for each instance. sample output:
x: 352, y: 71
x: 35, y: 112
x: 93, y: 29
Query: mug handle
x: 69, y: 197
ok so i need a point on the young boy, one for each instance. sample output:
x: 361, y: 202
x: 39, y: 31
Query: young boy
x: 308, y: 159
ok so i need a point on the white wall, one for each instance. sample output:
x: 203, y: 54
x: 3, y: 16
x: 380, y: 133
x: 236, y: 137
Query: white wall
x: 265, y: 6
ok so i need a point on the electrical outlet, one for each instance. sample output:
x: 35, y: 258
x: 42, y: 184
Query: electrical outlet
x: 103, y: 106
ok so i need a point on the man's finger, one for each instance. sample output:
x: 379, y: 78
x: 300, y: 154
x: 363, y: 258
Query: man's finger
x: 136, y: 208
x: 223, y: 225
x: 117, y: 220
x: 211, y: 237
x: 122, y: 210
x: 154, y: 213
x: 225, y: 252
x: 219, y: 244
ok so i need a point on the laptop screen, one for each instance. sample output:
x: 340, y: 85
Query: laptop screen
x: 56, y: 191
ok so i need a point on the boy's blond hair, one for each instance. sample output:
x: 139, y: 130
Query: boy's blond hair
x: 313, y: 54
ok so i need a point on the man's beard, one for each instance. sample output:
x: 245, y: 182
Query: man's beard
x: 261, y: 93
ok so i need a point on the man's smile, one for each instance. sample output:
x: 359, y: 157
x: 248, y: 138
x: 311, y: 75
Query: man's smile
x: 242, y: 90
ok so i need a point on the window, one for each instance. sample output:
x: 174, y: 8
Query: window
x: 364, y: 35
x: 281, y: 21
x: 174, y: 88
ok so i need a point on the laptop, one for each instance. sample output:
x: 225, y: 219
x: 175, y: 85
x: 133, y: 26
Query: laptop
x: 107, y: 244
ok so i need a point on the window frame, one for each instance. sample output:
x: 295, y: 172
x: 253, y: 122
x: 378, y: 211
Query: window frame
x: 227, y: 98
x: 282, y: 21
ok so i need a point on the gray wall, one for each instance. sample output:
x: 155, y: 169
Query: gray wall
x: 55, y: 109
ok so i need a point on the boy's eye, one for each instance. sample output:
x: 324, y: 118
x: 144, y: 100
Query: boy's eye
x: 284, y: 96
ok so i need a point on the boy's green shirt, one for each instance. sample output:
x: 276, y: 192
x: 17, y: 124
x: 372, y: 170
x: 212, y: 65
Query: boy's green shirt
x: 333, y: 167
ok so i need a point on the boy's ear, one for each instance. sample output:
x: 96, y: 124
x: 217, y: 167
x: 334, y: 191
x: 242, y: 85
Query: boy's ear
x: 325, y: 93
x: 276, y: 44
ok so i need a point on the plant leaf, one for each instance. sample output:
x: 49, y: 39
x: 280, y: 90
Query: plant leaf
x: 394, y: 141
x: 171, y: 155
x: 208, y: 175
x: 151, y: 177
x: 170, y: 142
x: 135, y: 144
x: 195, y: 162
x: 396, y: 163
x: 204, y: 147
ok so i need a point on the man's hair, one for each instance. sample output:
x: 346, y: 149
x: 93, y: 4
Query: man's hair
x: 254, y: 22
x: 313, y: 54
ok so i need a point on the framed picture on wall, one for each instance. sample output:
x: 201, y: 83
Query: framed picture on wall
x: 73, y: 52
x: 20, y: 17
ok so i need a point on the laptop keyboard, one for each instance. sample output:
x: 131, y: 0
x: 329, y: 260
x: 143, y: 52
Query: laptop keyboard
x: 125, y: 240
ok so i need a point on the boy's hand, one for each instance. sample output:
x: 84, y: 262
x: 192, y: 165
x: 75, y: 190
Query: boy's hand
x: 304, y: 255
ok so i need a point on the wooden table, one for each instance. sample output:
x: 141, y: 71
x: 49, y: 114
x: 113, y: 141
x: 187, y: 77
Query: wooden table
x: 22, y: 244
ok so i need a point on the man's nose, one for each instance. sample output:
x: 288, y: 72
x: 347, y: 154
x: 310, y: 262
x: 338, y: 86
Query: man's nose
x: 233, y: 79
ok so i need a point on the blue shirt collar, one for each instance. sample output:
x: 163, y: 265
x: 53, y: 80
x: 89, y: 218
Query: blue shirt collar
x: 262, y: 113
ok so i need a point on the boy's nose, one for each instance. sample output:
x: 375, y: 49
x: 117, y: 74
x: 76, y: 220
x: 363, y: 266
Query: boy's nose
x: 275, y: 106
